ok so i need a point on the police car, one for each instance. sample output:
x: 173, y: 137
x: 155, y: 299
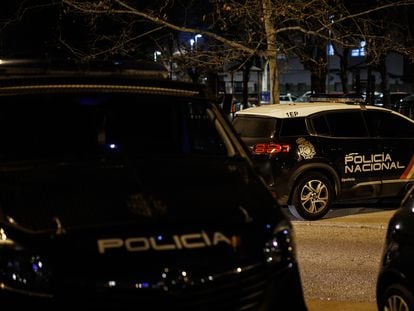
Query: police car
x: 116, y: 193
x: 326, y: 152
x: 395, y: 281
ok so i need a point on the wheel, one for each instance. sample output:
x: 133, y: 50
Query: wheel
x: 294, y: 212
x: 397, y: 298
x: 312, y: 196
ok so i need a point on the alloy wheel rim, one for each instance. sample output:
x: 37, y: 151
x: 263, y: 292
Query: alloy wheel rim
x: 396, y: 303
x: 314, y: 196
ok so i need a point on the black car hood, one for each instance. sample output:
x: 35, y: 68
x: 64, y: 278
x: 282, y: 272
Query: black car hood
x: 102, y: 191
x: 139, y: 222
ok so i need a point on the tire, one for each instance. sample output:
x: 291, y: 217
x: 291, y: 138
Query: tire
x: 396, y: 297
x: 312, y: 196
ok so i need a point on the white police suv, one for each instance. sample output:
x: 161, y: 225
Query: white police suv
x: 325, y: 152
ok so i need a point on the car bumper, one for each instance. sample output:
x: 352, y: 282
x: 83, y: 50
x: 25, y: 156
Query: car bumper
x: 263, y: 291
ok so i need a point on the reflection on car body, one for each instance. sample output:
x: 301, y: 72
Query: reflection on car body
x: 116, y: 192
x: 325, y: 152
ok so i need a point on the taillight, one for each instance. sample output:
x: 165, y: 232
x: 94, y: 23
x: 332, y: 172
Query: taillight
x: 270, y: 148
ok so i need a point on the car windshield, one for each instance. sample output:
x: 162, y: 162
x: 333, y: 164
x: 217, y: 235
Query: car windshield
x: 38, y: 126
x: 100, y: 158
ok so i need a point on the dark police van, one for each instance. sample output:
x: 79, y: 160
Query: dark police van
x: 117, y: 192
x: 325, y: 152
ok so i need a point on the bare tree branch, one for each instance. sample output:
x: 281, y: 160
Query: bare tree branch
x: 265, y: 28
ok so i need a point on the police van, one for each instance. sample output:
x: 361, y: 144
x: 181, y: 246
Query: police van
x: 326, y: 152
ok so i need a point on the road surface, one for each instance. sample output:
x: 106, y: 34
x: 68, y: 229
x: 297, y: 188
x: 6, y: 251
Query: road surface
x: 339, y: 257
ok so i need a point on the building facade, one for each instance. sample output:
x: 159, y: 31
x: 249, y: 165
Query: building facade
x: 295, y: 79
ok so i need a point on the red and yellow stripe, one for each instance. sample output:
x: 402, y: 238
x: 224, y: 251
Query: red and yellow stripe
x: 409, y: 171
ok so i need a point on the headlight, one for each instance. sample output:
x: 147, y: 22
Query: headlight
x: 22, y: 271
x: 281, y: 247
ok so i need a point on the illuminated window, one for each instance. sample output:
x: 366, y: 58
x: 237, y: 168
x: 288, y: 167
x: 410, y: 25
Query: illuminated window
x: 330, y: 50
x: 360, y: 51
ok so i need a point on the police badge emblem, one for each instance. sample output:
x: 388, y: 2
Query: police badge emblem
x: 306, y: 149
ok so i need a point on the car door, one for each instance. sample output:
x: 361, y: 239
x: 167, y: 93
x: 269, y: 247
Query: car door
x: 344, y: 141
x: 394, y: 136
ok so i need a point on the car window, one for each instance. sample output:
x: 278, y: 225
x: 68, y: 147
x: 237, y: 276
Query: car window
x: 320, y: 125
x: 252, y: 127
x: 340, y: 124
x: 293, y: 127
x: 386, y: 124
x: 41, y: 125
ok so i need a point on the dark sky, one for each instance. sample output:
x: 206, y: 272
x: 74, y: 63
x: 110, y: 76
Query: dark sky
x: 27, y: 31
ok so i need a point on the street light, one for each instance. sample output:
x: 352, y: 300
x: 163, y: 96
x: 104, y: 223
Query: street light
x: 193, y: 41
x: 156, y: 53
x: 196, y: 37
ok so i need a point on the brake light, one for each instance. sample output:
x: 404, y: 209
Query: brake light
x: 270, y: 148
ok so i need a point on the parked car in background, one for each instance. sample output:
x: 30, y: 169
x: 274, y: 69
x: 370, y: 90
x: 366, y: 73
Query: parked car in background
x: 395, y: 283
x: 405, y: 106
x: 373, y: 98
x: 394, y: 98
x: 304, y: 97
x: 337, y: 97
x: 287, y: 98
x: 324, y: 152
x: 117, y: 192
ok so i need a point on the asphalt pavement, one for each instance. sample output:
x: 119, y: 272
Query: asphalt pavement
x: 355, y: 217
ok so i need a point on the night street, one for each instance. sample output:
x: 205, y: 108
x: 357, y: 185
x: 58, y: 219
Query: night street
x: 339, y: 257
x: 149, y: 151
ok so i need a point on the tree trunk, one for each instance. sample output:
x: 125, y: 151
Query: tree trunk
x: 246, y: 76
x: 318, y: 85
x: 384, y: 83
x: 318, y: 70
x: 211, y: 86
x: 369, y: 91
x: 344, y: 70
x: 271, y: 51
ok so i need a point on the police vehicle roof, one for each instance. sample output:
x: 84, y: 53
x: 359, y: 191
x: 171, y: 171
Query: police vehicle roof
x: 19, y: 76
